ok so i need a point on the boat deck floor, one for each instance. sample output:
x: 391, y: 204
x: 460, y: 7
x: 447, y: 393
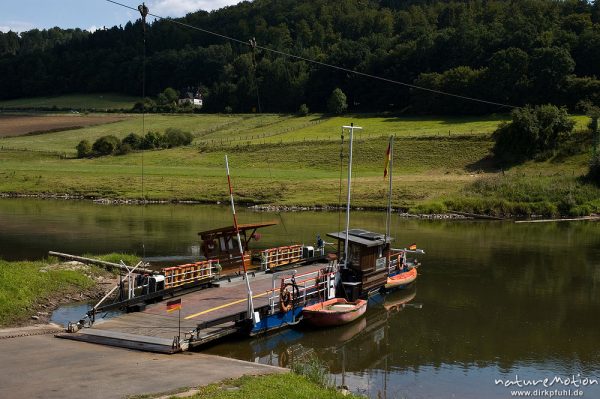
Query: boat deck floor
x: 154, y: 329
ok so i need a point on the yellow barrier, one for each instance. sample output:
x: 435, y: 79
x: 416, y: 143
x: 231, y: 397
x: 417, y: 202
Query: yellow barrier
x: 280, y: 256
x: 192, y: 272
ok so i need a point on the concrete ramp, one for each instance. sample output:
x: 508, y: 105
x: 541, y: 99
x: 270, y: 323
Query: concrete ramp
x: 124, y: 340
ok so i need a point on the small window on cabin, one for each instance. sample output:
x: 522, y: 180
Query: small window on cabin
x: 223, y: 246
x: 355, y: 255
x: 230, y: 241
x: 380, y: 251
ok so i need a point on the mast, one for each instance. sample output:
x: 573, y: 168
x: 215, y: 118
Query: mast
x: 237, y: 231
x: 351, y: 128
x: 388, y: 216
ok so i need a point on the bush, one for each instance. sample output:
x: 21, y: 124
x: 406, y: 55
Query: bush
x: 124, y: 149
x: 152, y: 140
x: 303, y: 110
x: 147, y: 105
x: 314, y: 370
x: 177, y: 137
x: 337, y: 102
x: 106, y: 145
x: 134, y: 140
x: 533, y: 132
x: 594, y: 171
x: 84, y: 149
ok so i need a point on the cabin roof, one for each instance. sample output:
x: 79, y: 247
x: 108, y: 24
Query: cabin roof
x: 362, y: 237
x: 230, y: 230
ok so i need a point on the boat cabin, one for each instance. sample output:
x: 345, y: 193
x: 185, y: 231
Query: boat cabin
x: 221, y: 244
x: 367, y: 268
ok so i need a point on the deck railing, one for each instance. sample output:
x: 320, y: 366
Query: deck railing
x: 191, y: 272
x: 317, y: 284
x: 280, y: 256
x: 395, y: 259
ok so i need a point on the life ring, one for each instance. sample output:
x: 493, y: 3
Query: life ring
x: 284, y: 357
x: 287, y: 296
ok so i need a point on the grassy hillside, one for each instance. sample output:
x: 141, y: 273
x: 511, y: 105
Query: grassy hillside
x: 99, y: 102
x: 220, y: 129
x: 432, y: 172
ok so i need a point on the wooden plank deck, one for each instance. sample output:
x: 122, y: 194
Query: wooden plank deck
x: 153, y: 329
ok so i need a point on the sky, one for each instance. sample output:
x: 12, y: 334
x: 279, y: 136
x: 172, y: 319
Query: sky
x: 22, y: 15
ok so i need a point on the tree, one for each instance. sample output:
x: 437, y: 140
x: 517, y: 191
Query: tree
x: 594, y: 166
x: 153, y: 140
x: 337, y: 102
x: 303, y: 110
x: 177, y: 137
x: 106, y: 145
x: 84, y: 149
x: 532, y: 131
x: 134, y: 140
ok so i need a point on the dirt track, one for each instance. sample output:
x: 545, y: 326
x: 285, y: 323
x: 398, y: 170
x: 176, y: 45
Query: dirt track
x: 17, y: 125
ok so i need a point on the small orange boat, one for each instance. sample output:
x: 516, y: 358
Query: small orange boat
x: 334, y: 312
x: 401, y: 279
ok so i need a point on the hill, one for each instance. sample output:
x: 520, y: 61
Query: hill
x: 509, y: 52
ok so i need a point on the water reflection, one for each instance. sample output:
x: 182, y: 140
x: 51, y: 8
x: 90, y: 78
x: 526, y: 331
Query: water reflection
x: 495, y: 298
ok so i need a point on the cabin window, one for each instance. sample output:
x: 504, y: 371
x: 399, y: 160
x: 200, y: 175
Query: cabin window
x: 222, y: 246
x: 355, y: 255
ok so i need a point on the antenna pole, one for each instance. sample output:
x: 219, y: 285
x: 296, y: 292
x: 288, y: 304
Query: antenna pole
x: 351, y: 128
x: 241, y: 247
x: 388, y: 217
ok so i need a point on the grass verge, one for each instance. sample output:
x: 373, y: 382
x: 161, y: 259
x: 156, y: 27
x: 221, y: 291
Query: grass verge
x: 27, y: 285
x: 274, y: 386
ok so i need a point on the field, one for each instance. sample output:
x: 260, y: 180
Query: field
x: 18, y: 124
x: 97, y: 102
x: 288, y: 160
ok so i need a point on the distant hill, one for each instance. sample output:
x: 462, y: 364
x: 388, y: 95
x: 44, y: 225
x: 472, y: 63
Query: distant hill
x: 514, y: 52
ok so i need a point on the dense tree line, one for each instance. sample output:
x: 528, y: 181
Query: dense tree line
x: 515, y: 52
x: 109, y: 145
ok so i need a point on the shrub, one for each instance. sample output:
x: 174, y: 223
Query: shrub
x: 177, y: 137
x: 84, y: 149
x: 313, y: 369
x: 147, y: 105
x: 124, y: 149
x: 228, y: 109
x: 152, y: 140
x: 594, y: 170
x: 533, y: 131
x: 106, y: 145
x: 134, y: 140
x: 303, y: 110
x: 337, y: 102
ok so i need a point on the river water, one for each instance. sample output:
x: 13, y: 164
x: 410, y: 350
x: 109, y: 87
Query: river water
x: 494, y: 300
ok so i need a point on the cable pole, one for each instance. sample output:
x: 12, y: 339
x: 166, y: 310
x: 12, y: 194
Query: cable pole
x: 143, y: 12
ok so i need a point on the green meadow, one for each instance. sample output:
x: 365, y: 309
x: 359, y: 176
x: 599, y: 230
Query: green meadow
x: 100, y: 102
x: 440, y: 164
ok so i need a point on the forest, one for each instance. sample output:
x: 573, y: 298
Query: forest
x: 504, y: 51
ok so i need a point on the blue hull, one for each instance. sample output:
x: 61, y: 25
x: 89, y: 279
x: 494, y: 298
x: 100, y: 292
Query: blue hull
x: 277, y: 321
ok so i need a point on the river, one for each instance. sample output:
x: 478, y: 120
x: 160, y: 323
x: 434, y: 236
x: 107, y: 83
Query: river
x: 494, y: 302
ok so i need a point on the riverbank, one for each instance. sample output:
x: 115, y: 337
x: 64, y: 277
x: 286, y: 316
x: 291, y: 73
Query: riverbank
x: 32, y: 290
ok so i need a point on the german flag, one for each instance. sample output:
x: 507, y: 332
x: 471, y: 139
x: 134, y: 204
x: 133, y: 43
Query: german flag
x: 174, y: 305
x: 412, y: 247
x: 388, y: 157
